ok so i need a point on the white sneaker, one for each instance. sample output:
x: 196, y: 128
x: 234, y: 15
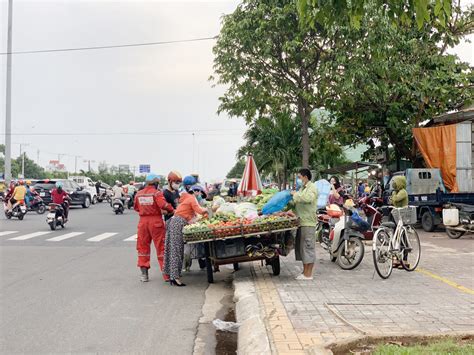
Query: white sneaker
x: 302, y: 277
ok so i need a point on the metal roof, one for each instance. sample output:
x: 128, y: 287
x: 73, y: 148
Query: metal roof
x: 452, y: 117
x: 348, y: 167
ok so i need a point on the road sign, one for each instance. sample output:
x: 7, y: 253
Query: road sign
x: 144, y: 168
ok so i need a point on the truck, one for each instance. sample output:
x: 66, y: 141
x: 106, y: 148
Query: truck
x: 87, y: 185
x: 425, y: 187
x: 427, y: 192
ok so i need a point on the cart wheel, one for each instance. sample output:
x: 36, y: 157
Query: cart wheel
x: 236, y: 267
x: 210, y: 275
x: 276, y: 266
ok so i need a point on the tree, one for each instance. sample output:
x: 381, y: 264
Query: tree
x: 275, y: 144
x: 389, y: 79
x: 399, y: 12
x: 270, y: 65
x: 237, y: 170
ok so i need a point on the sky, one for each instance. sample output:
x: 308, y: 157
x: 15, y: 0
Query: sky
x: 137, y: 89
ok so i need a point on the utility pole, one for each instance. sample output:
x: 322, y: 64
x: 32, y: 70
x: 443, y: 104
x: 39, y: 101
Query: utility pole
x: 193, y: 154
x: 8, y: 101
x: 38, y: 157
x: 22, y: 154
x: 75, y: 163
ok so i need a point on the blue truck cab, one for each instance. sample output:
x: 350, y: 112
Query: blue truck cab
x: 427, y: 192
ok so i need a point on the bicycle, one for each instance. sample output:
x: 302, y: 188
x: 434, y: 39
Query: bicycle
x: 398, y: 241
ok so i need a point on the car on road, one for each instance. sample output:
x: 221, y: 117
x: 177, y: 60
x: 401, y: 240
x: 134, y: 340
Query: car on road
x: 79, y: 196
x: 88, y: 185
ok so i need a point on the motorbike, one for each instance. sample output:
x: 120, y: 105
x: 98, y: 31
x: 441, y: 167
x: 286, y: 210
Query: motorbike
x: 19, y: 211
x: 118, y: 206
x: 339, y: 236
x: 371, y: 206
x: 56, y: 217
x: 38, y: 205
x: 458, y: 219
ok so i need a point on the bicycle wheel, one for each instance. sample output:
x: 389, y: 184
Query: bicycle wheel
x: 410, y: 248
x: 381, y: 253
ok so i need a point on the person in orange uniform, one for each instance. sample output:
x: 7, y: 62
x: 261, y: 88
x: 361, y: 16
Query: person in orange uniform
x: 187, y: 211
x: 149, y: 203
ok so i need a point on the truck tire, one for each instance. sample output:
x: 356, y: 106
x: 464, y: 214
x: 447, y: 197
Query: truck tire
x: 427, y: 221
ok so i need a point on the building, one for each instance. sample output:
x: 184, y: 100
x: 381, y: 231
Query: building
x: 56, y: 166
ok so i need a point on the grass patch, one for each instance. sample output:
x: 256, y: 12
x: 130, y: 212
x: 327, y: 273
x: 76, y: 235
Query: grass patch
x: 439, y: 347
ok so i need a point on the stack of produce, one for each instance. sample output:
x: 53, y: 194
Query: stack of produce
x: 228, y: 224
x: 264, y: 197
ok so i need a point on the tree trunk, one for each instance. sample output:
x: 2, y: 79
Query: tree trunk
x: 304, y: 115
x: 285, y: 177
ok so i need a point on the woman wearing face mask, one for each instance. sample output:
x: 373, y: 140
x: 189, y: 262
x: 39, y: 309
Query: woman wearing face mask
x: 336, y: 194
x: 187, y: 211
x: 171, y: 192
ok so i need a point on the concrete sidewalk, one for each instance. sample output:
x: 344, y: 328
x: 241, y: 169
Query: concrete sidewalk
x: 304, y: 317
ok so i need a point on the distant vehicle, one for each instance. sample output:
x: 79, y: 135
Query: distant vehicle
x: 79, y: 196
x: 426, y: 191
x: 87, y: 184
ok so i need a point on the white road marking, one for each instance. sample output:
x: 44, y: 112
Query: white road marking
x: 101, y: 237
x: 64, y: 236
x: 7, y: 233
x: 131, y: 239
x: 29, y: 236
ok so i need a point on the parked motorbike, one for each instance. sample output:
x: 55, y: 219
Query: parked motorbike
x: 338, y: 235
x: 38, y: 205
x: 19, y: 211
x: 370, y: 206
x: 118, y: 206
x: 458, y: 219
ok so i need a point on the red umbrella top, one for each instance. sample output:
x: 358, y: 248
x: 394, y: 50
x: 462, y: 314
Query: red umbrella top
x: 251, y: 184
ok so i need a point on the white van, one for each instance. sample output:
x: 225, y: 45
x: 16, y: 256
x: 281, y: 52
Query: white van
x: 87, y: 184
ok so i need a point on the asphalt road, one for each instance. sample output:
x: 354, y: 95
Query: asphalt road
x: 78, y: 289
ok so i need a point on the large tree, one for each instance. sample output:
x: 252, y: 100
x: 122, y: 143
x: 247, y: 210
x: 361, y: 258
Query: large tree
x: 392, y: 78
x: 270, y: 64
x: 352, y: 12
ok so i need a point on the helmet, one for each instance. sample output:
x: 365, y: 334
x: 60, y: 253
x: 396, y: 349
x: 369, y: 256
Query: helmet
x: 59, y: 184
x: 189, y: 180
x: 200, y: 189
x: 152, y: 178
x: 21, y: 182
x: 28, y: 182
x: 117, y: 182
x: 174, y: 176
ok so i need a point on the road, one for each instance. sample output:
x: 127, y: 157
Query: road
x: 78, y: 289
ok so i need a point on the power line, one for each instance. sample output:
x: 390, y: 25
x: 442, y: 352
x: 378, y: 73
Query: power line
x: 171, y: 132
x: 112, y: 46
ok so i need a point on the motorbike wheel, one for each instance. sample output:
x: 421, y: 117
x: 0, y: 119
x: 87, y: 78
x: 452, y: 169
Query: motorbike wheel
x: 41, y: 209
x: 356, y: 247
x: 117, y: 212
x: 8, y: 215
x: 52, y: 225
x: 454, y: 234
x: 21, y: 216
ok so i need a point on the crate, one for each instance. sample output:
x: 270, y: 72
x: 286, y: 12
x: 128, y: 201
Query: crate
x: 229, y: 248
x: 406, y: 214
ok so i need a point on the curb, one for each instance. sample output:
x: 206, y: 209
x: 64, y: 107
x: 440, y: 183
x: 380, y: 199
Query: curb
x: 252, y: 337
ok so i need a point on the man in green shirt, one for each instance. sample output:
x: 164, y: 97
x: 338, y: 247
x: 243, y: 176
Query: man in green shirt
x: 305, y: 205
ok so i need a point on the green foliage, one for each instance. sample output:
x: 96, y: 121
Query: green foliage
x: 237, y: 170
x: 270, y: 65
x: 393, y: 78
x: 352, y: 13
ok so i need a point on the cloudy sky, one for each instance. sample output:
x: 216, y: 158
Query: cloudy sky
x: 161, y: 88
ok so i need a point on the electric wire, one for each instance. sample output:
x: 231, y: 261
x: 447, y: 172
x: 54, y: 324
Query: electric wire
x: 111, y: 46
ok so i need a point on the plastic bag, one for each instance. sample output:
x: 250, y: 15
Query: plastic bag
x: 246, y: 210
x: 278, y: 202
x: 226, y: 326
x: 217, y: 201
x: 226, y: 208
x: 324, y: 189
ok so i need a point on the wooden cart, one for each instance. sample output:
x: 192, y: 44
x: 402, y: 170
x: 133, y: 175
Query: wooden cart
x: 266, y: 238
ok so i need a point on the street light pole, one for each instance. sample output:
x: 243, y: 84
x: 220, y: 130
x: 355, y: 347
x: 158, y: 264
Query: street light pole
x: 22, y: 154
x: 8, y: 111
